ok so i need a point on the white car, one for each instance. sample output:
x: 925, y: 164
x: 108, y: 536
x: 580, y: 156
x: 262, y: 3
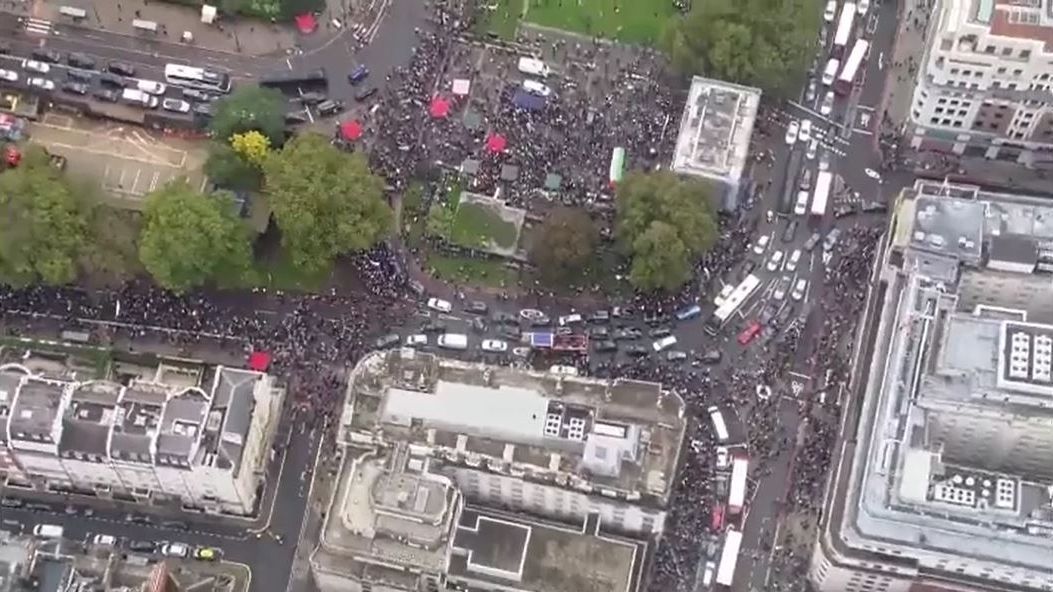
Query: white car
x: 795, y: 258
x: 536, y: 88
x: 791, y: 133
x: 872, y: 174
x: 494, y: 345
x: 41, y: 83
x: 781, y: 288
x: 805, y: 133
x: 418, y: 339
x: 813, y: 149
x: 532, y: 314
x: 827, y: 106
x: 775, y: 261
x: 830, y: 11
x: 104, y: 540
x: 799, y: 289
x: 762, y: 244
x: 9, y: 75
x: 439, y: 304
x: 175, y: 105
x: 35, y: 66
x: 521, y: 352
x: 151, y: 87
x: 175, y: 550
x: 722, y: 457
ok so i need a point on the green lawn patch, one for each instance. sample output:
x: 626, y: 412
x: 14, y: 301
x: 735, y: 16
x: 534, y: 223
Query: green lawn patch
x: 629, y: 21
x: 500, y: 17
x: 476, y: 225
x: 471, y: 270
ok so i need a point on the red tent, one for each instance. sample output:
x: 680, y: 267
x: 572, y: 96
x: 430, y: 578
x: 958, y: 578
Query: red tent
x: 439, y: 108
x: 259, y: 361
x: 306, y: 23
x: 496, y: 143
x: 350, y: 130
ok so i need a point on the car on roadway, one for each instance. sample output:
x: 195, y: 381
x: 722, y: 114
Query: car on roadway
x: 178, y: 550
x: 330, y: 107
x: 521, y: 352
x: 750, y: 333
x: 365, y: 94
x: 813, y: 240
x: 506, y: 318
x: 139, y: 518
x: 660, y: 332
x: 830, y: 12
x: 36, y: 66
x: 114, y: 80
x: 806, y: 180
x: 831, y: 239
x: 799, y: 289
x: 389, y: 340
x: 627, y: 334
x: 175, y: 525
x: 80, y: 76
x: 723, y: 458
x: 207, y: 554
x: 762, y: 244
x: 477, y: 307
x: 605, y: 345
x: 844, y: 211
x: 494, y: 345
x: 781, y: 288
x: 813, y: 149
x: 791, y: 133
x: 637, y: 351
x: 775, y: 261
x: 536, y: 88
x: 9, y: 75
x: 121, y: 68
x: 676, y: 356
x: 193, y: 94
x: 46, y: 55
x: 713, y: 356
x: 41, y: 83
x: 511, y: 333
x: 571, y: 319
x: 11, y: 502
x: 826, y: 107
x: 872, y: 174
x: 812, y: 88
x: 104, y: 540
x: 874, y: 207
x: 824, y: 161
x: 600, y: 316
x: 175, y: 105
x: 106, y: 95
x: 151, y: 87
x: 142, y: 546
x: 805, y: 132
x: 598, y: 332
x: 418, y: 339
x: 358, y: 74
x: 440, y: 305
x: 800, y: 205
x: 530, y: 314
x: 433, y: 327
x: 793, y: 260
x: 80, y: 60
x: 790, y: 232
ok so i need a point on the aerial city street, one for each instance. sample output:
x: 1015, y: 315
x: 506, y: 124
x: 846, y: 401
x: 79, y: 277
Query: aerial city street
x: 546, y: 295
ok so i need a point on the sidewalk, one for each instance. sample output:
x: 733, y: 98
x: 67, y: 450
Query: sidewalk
x: 913, y: 20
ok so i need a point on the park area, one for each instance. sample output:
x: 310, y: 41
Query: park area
x: 637, y: 22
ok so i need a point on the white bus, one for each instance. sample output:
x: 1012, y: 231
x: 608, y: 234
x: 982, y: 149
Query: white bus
x: 729, y: 557
x: 738, y: 297
x: 199, y: 78
x: 719, y: 426
x: 844, y: 29
x: 847, y: 79
x: 737, y: 491
x: 823, y: 182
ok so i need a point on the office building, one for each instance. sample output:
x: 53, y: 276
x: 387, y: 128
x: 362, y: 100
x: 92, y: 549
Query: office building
x: 493, y: 478
x: 983, y: 82
x: 945, y: 480
x: 189, y: 433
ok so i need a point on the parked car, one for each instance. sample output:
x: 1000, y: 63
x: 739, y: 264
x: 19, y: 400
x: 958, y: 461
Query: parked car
x: 193, y: 94
x: 358, y: 74
x: 177, y: 550
x: 46, y: 55
x: 142, y: 546
x: 311, y: 98
x: 106, y: 95
x: 330, y: 107
x: 417, y: 340
x: 476, y: 307
x: 110, y: 79
x: 440, y: 305
x: 207, y: 554
x: 791, y: 133
x: 389, y: 340
x: 41, y: 83
x: 121, y: 68
x: 605, y: 345
x: 36, y: 66
x: 9, y: 75
x: 812, y: 241
x: 790, y: 232
x: 80, y: 76
x: 637, y: 351
x: 175, y: 105
x: 366, y: 94
x: 494, y: 345
x: 80, y: 60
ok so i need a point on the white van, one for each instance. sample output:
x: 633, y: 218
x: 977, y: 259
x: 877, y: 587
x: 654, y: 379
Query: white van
x: 536, y: 88
x: 453, y: 341
x: 151, y: 87
x: 664, y: 343
x: 831, y: 71
x: 533, y: 67
x: 48, y: 531
x: 139, y: 98
x: 564, y: 370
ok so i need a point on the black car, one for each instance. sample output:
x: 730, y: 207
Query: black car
x: 389, y: 340
x: 77, y: 88
x: 312, y: 98
x: 105, y: 94
x: 330, y: 107
x: 605, y: 345
x: 506, y: 318
x: 712, y: 356
x: 476, y: 307
x: 192, y: 94
x: 79, y: 60
x: 142, y: 546
x: 175, y: 525
x: 110, y: 79
x: 138, y: 519
x: 39, y: 507
x: 433, y: 327
x: 296, y: 118
x: 203, y: 109
x: 874, y: 207
x: 600, y: 316
x: 660, y: 332
x: 747, y: 269
x: 43, y: 54
x: 11, y: 502
x: 478, y: 325
x: 812, y: 241
x: 122, y: 68
x: 511, y: 333
x: 80, y: 76
x: 627, y: 334
x: 636, y: 351
x: 790, y: 232
x: 365, y: 95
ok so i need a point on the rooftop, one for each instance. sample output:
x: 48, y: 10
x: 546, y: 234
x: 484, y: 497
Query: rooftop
x: 620, y: 435
x: 88, y: 420
x: 38, y: 404
x: 715, y: 130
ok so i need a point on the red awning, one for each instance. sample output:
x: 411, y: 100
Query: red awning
x: 259, y: 361
x: 439, y: 108
x: 307, y: 23
x: 350, y: 130
x: 496, y: 143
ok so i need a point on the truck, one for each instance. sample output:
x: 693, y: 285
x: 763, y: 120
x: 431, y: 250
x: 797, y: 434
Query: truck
x: 737, y: 492
x: 719, y: 426
x: 48, y: 531
x: 729, y: 557
x: 823, y: 183
x: 458, y: 341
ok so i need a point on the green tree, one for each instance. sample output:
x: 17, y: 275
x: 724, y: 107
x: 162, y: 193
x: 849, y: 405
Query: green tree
x: 227, y: 169
x: 111, y: 255
x: 645, y: 200
x: 764, y: 43
x: 660, y: 259
x: 42, y: 224
x: 564, y: 244
x: 251, y: 146
x: 190, y: 238
x: 250, y: 108
x: 326, y: 201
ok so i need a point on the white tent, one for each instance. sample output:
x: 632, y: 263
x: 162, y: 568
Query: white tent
x: 208, y: 14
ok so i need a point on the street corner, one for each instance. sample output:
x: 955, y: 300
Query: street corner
x: 127, y: 162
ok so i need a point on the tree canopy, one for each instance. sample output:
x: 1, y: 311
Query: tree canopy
x: 663, y: 223
x: 227, y: 169
x: 250, y: 108
x: 189, y: 238
x: 326, y: 201
x: 252, y: 146
x: 42, y: 225
x: 763, y: 43
x: 564, y: 244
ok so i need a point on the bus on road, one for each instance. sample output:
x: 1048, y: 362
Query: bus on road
x: 738, y: 297
x: 729, y: 557
x: 737, y: 492
x: 847, y: 79
x: 294, y: 79
x: 823, y: 182
x: 617, y: 166
x: 844, y: 29
x: 719, y: 426
x: 199, y: 78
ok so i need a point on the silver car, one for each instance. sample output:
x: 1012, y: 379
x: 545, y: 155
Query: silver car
x: 41, y: 83
x: 9, y: 75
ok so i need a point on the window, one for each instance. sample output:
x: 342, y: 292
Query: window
x: 1017, y: 72
x: 954, y: 70
x: 956, y: 123
x: 1001, y: 70
x: 989, y: 49
x: 1007, y: 51
x: 938, y: 110
x: 1025, y: 53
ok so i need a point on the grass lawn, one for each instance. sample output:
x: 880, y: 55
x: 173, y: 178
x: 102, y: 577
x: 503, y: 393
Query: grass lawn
x: 501, y: 18
x: 471, y: 270
x: 629, y: 21
x: 475, y: 225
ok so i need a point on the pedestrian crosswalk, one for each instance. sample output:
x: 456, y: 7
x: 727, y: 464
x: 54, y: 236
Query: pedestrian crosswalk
x: 38, y: 26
